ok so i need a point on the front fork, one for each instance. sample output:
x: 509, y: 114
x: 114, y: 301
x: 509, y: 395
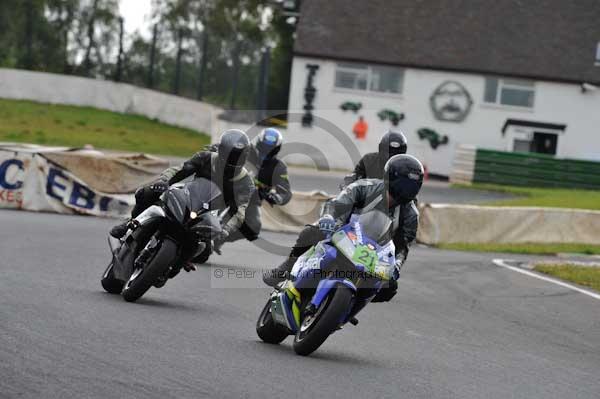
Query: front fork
x: 146, y: 253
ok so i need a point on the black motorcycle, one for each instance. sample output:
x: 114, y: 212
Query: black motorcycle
x: 165, y: 238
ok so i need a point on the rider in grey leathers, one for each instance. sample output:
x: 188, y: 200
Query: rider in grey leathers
x: 394, y: 195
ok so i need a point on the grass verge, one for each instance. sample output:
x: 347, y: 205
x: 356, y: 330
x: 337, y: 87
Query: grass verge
x: 588, y: 276
x: 62, y: 125
x: 542, y: 197
x: 527, y: 248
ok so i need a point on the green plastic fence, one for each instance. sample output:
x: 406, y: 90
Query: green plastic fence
x: 535, y: 170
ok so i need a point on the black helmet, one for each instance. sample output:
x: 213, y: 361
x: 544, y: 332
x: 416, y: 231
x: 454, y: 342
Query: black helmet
x: 268, y: 143
x: 233, y: 150
x: 392, y: 143
x: 403, y: 177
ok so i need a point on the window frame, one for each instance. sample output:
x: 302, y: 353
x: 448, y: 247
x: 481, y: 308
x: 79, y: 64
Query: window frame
x: 345, y: 67
x: 369, y: 69
x: 502, y: 83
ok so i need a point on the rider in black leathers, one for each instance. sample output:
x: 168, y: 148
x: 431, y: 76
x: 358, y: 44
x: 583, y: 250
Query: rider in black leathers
x: 225, y: 168
x: 394, y: 195
x: 371, y: 165
x: 270, y: 178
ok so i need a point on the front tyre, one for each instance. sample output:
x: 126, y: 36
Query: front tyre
x: 109, y: 282
x: 142, y: 279
x: 315, y: 329
x: 267, y: 329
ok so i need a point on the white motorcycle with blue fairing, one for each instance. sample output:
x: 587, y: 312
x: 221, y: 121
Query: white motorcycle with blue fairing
x: 330, y: 284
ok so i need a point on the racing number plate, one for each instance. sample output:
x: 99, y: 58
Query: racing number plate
x: 366, y: 257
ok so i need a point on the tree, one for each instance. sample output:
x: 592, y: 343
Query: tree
x: 238, y: 24
x: 281, y: 61
x: 97, y: 33
x: 61, y: 15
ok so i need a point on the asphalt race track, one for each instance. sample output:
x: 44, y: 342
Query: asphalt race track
x: 459, y: 328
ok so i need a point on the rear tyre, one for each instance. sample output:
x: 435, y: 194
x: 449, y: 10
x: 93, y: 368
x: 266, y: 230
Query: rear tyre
x: 317, y: 328
x: 141, y: 281
x: 109, y: 282
x: 266, y: 328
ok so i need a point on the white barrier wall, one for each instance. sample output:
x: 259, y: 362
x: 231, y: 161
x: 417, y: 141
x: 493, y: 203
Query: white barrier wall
x: 440, y: 223
x: 107, y: 95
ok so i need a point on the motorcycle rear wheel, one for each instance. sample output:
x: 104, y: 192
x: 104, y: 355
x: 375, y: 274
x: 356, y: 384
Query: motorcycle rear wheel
x: 140, y: 282
x: 267, y: 329
x: 314, y: 331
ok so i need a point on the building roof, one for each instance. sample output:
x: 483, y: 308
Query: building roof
x: 541, y: 39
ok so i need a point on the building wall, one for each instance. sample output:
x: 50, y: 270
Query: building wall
x: 557, y: 103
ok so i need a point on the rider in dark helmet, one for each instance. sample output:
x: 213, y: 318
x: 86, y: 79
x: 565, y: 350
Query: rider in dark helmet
x: 271, y: 180
x: 225, y: 168
x: 232, y: 152
x: 394, y: 195
x: 371, y: 165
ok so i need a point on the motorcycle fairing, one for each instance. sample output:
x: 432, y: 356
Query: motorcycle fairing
x: 326, y: 285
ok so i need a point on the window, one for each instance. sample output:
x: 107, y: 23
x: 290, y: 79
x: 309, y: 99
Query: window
x: 351, y: 77
x: 513, y: 92
x: 386, y: 80
x: 541, y: 143
x: 598, y: 55
x: 378, y: 79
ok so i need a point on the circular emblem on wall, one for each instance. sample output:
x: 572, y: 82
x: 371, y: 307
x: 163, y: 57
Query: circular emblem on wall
x: 451, y: 102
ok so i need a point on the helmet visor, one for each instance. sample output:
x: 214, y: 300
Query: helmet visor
x: 233, y: 159
x: 404, y: 189
x: 396, y: 148
x: 267, y: 143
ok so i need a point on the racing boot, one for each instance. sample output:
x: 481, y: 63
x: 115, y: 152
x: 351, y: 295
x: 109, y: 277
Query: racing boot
x: 279, y: 274
x: 119, y: 230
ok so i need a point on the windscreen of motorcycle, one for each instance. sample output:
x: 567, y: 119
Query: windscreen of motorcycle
x: 203, y: 193
x: 198, y: 196
x: 375, y: 225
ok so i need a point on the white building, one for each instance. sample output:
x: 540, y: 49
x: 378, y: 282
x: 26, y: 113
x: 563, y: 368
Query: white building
x: 502, y: 74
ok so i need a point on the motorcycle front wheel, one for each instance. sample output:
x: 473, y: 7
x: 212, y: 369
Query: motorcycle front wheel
x: 316, y: 328
x: 267, y: 329
x: 109, y: 282
x: 142, y: 279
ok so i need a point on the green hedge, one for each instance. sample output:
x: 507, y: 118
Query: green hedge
x: 535, y: 170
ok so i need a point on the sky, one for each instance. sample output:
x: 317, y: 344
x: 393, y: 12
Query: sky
x: 136, y: 14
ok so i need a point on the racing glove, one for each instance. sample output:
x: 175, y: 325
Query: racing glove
x: 273, y: 198
x: 327, y: 224
x: 222, y: 236
x: 159, y: 187
x: 398, y: 266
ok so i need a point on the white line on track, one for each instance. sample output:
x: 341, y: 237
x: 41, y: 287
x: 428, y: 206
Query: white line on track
x: 502, y: 263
